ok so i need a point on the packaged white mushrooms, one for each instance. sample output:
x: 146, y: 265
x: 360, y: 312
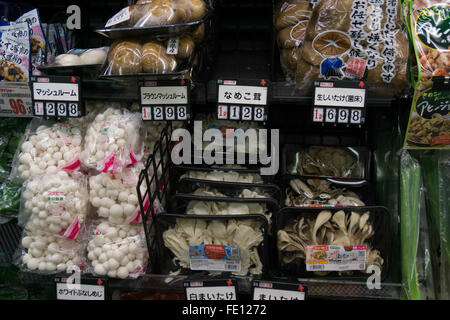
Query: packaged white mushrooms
x: 114, y: 196
x: 118, y: 251
x: 55, y: 204
x: 113, y: 141
x: 44, y: 253
x: 47, y: 147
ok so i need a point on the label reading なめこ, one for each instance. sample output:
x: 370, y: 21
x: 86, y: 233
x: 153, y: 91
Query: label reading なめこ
x: 335, y: 258
x: 213, y: 257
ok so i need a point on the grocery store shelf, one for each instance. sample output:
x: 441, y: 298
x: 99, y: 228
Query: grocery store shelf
x: 331, y: 289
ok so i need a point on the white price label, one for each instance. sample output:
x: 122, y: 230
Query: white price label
x: 65, y: 291
x: 222, y: 112
x: 48, y: 91
x: 259, y: 114
x: 235, y: 113
x: 182, y: 113
x: 251, y: 95
x: 168, y: 95
x: 318, y: 115
x: 73, y: 109
x: 355, y: 116
x: 339, y: 97
x: 15, y: 100
x: 211, y: 293
x: 39, y: 108
x: 122, y: 16
x: 158, y: 113
x: 50, y: 108
x: 170, y: 113
x: 62, y: 109
x: 247, y: 113
x: 330, y: 115
x: 277, y: 294
x: 172, y: 46
x: 146, y: 113
x: 343, y: 115
x: 335, y: 258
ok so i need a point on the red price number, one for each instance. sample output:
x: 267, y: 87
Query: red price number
x: 17, y: 106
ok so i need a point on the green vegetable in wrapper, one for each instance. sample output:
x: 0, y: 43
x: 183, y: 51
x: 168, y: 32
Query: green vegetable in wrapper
x: 10, y: 198
x: 410, y: 193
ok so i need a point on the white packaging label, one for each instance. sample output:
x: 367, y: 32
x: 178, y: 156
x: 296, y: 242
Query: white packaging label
x: 122, y: 16
x: 211, y: 293
x: 335, y: 258
x: 277, y: 294
x: 339, y: 97
x: 215, y: 258
x: 168, y: 95
x: 47, y: 91
x: 172, y: 46
x: 251, y: 95
x: 65, y: 291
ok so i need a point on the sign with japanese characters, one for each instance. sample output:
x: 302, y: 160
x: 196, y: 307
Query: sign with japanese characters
x: 165, y: 100
x: 87, y: 289
x: 335, y: 258
x: 15, y: 100
x: 210, y: 289
x: 243, y: 100
x: 269, y: 290
x: 429, y: 120
x: 57, y: 97
x: 339, y: 102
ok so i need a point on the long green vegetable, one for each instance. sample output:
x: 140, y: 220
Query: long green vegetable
x: 410, y: 195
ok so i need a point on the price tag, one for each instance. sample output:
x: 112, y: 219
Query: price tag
x: 146, y: 113
x: 50, y: 108
x: 86, y: 289
x: 210, y: 290
x: 247, y: 113
x: 62, y: 109
x: 343, y: 115
x: 235, y: 113
x: 61, y: 96
x: 356, y: 116
x: 335, y: 258
x: 39, y: 108
x: 268, y: 290
x: 15, y: 100
x: 165, y: 100
x: 222, y: 112
x: 158, y: 113
x: 182, y: 113
x: 318, y: 115
x: 335, y: 102
x: 242, y: 100
x: 330, y: 115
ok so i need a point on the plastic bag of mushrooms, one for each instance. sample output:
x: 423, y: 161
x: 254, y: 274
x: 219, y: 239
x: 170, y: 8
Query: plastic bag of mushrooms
x: 339, y: 228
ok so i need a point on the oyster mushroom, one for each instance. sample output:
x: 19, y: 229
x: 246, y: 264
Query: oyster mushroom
x: 322, y: 218
x: 301, y: 188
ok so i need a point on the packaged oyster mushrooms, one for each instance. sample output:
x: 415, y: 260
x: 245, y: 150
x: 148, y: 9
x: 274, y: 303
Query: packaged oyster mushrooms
x: 429, y: 31
x: 231, y: 244
x: 355, y: 40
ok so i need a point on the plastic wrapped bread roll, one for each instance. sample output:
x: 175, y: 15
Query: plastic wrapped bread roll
x: 115, y: 197
x: 44, y: 253
x: 125, y: 57
x: 118, y: 251
x: 47, y: 147
x: 157, y: 12
x: 55, y: 204
x: 113, y: 141
x: 156, y: 60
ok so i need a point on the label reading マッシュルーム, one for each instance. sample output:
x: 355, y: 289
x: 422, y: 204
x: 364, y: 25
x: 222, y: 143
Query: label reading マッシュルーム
x: 213, y: 257
x: 335, y: 258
